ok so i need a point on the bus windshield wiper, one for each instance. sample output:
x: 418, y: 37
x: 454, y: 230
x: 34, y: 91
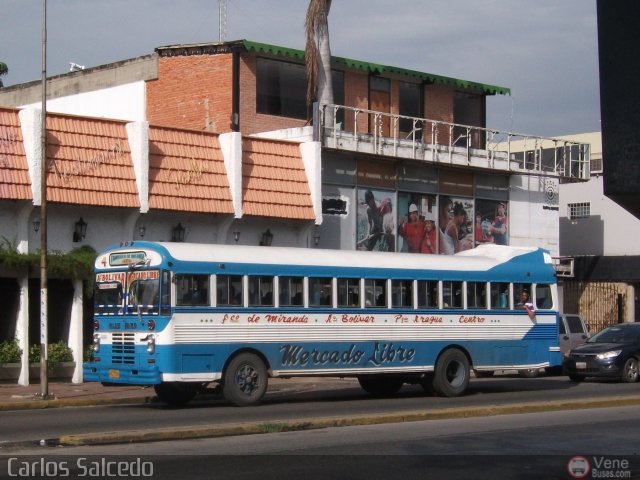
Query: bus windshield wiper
x: 138, y: 264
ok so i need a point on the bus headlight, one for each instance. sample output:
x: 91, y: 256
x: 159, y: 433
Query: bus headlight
x: 96, y: 342
x: 151, y: 343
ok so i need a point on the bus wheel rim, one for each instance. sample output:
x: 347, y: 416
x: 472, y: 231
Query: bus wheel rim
x: 247, y: 379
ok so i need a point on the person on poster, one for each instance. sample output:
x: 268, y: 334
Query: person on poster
x: 387, y: 243
x: 455, y: 243
x: 477, y: 229
x: 446, y: 245
x: 482, y: 230
x: 374, y: 219
x: 465, y: 233
x: 412, y: 230
x: 428, y: 243
x: 499, y: 226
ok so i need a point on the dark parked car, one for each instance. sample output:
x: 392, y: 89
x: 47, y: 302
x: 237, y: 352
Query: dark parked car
x: 613, y: 353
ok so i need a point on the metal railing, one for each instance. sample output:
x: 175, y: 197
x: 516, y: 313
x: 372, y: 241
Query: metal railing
x: 380, y: 133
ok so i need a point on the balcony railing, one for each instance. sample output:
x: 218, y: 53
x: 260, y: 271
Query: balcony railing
x: 379, y: 133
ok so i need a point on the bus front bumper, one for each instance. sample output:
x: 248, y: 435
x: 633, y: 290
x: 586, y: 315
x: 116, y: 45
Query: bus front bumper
x: 120, y: 374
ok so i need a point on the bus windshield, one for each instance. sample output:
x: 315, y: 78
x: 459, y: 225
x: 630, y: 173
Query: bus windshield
x: 127, y: 293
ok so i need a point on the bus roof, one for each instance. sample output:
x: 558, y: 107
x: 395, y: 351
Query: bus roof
x: 481, y: 258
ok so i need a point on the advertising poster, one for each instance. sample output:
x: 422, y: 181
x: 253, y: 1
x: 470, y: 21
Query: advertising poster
x: 376, y: 226
x: 490, y: 224
x: 417, y: 223
x: 455, y: 224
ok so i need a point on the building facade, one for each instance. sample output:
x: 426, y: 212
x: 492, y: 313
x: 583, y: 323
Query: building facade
x: 214, y: 143
x: 597, y: 233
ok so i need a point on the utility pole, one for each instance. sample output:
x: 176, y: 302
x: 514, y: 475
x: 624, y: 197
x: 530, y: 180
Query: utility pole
x: 44, y: 379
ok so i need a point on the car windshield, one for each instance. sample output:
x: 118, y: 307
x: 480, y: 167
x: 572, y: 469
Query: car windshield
x: 616, y: 334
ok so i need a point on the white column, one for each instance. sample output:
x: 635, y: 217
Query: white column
x: 138, y: 136
x: 311, y: 158
x: 75, y: 331
x: 631, y: 304
x: 22, y: 328
x: 231, y: 148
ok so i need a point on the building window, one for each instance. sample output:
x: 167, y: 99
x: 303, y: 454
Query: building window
x: 578, y: 210
x: 596, y: 163
x: 409, y: 100
x: 281, y: 88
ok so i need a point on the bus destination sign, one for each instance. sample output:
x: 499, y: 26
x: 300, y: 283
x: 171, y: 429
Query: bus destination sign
x: 126, y: 258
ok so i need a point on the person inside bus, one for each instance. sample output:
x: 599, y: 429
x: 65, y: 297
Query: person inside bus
x: 267, y: 298
x: 526, y: 304
x: 198, y: 294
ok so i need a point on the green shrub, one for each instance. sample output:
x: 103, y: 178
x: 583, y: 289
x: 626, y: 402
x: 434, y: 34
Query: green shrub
x: 10, y: 352
x: 88, y: 353
x: 56, y: 354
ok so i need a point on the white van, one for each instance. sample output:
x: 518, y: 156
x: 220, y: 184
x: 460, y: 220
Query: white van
x: 573, y: 331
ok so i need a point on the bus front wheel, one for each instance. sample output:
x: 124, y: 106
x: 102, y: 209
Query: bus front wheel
x: 451, y: 375
x: 176, y: 394
x: 245, y: 380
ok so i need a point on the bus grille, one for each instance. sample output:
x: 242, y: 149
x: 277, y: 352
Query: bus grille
x: 123, y: 348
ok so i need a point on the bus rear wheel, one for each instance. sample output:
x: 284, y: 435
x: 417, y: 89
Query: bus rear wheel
x: 176, y: 394
x: 245, y: 380
x: 451, y: 375
x: 380, y: 385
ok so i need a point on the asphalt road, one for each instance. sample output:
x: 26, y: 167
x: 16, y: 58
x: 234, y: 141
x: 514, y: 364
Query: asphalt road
x: 524, y: 446
x: 34, y: 425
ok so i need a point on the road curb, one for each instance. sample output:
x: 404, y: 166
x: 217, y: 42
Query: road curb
x: 39, y: 404
x: 234, y: 429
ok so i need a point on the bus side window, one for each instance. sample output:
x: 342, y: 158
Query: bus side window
x: 427, y: 294
x: 348, y: 292
x: 402, y: 293
x: 499, y: 295
x: 291, y: 289
x: 193, y: 290
x: 320, y: 292
x: 518, y: 289
x: 452, y: 294
x: 543, y: 296
x: 229, y: 290
x: 261, y: 291
x: 375, y: 293
x: 476, y: 295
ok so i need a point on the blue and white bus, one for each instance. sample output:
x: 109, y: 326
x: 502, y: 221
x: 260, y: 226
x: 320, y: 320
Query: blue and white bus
x: 179, y: 316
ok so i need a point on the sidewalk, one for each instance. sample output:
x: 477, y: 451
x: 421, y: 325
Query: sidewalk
x: 66, y: 394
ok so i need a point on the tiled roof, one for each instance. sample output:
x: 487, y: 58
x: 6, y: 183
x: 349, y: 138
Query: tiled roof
x: 274, y: 181
x: 187, y: 172
x: 15, y: 183
x: 89, y: 162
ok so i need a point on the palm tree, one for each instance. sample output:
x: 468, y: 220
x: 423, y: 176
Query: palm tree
x: 318, y: 54
x: 3, y: 71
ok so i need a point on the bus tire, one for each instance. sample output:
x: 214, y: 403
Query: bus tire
x: 451, y: 374
x: 176, y: 394
x: 380, y: 385
x: 245, y: 380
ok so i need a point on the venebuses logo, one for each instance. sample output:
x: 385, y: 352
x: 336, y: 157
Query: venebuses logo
x: 578, y: 467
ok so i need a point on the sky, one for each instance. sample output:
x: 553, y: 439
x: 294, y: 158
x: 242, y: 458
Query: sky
x: 545, y: 51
